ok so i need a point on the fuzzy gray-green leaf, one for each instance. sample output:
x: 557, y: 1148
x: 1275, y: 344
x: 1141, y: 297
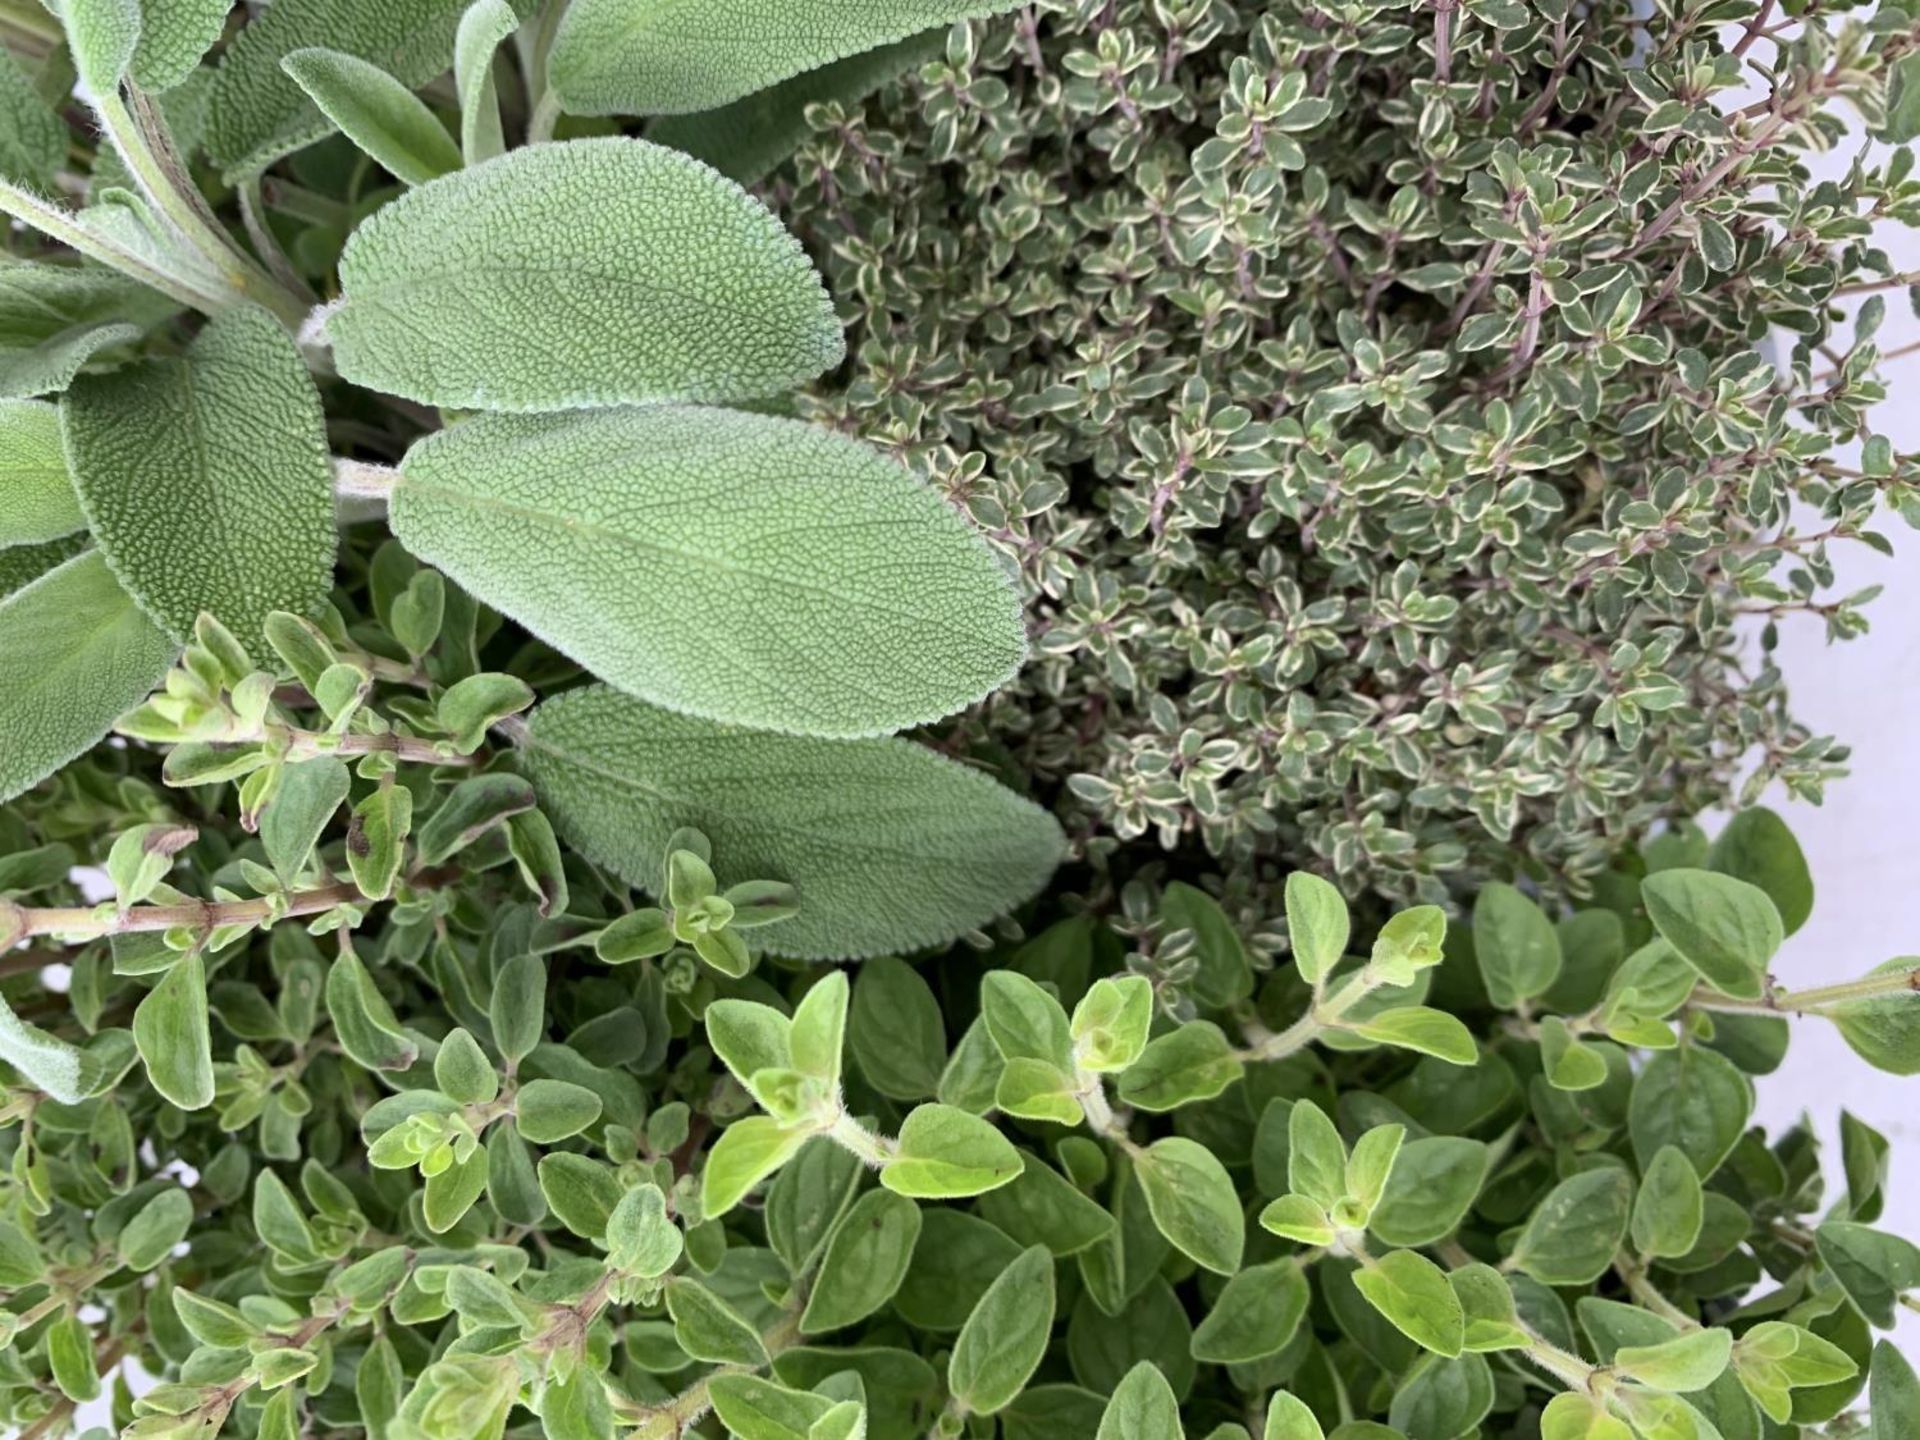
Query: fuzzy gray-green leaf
x: 661, y: 57
x: 560, y: 277
x: 892, y: 847
x: 734, y: 566
x: 39, y: 503
x: 78, y: 654
x: 375, y: 111
x: 206, y: 478
x: 54, y: 318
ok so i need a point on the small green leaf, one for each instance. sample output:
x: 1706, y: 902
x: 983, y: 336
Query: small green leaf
x: 622, y: 57
x: 463, y: 1072
x: 896, y: 1031
x: 363, y: 1020
x: 592, y: 294
x: 1893, y: 1394
x: 1572, y: 1235
x: 1516, y: 945
x: 582, y: 1192
x: 70, y: 1358
x: 206, y: 479
x: 1142, y: 1407
x: 945, y: 1153
x: 640, y: 1238
x: 1690, y: 1361
x: 310, y: 795
x: 1885, y: 1029
x: 1317, y: 923
x: 376, y: 839
x: 549, y: 1111
x: 155, y: 1229
x: 1694, y: 1099
x: 1428, y: 1031
x: 1193, y: 1202
x: 1413, y: 1293
x: 518, y: 1009
x: 710, y: 1329
x: 866, y: 1260
x: 1257, y: 1315
x: 1874, y: 1267
x: 1756, y: 846
x: 1316, y: 1156
x: 376, y: 112
x: 748, y: 1150
x: 1182, y: 1067
x: 171, y: 1029
x: 1725, y: 928
x: 1111, y: 1022
x: 756, y: 1409
x: 1669, y: 1209
x: 1005, y: 1337
x: 1569, y: 1062
x: 1288, y: 1418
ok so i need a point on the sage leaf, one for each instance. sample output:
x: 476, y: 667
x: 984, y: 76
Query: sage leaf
x: 376, y: 112
x: 739, y: 567
x: 866, y: 1260
x: 174, y: 35
x: 558, y: 277
x: 101, y: 37
x: 748, y: 139
x: 483, y: 27
x: 891, y: 846
x: 77, y: 653
x: 256, y: 113
x: 661, y: 57
x: 172, y: 1031
x: 1725, y: 928
x: 206, y: 479
x: 45, y: 1061
x: 33, y: 140
x: 54, y: 319
x: 40, y: 503
x: 1002, y: 1343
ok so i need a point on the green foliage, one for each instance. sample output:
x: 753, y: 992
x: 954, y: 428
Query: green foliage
x: 1359, y: 423
x: 512, y: 982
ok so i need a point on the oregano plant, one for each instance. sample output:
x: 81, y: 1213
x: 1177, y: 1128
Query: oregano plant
x: 481, y: 956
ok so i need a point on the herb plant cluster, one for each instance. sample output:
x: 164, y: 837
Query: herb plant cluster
x: 543, y: 993
x: 1394, y: 411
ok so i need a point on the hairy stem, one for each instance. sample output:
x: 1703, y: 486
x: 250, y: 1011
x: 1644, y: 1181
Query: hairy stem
x: 1812, y: 1000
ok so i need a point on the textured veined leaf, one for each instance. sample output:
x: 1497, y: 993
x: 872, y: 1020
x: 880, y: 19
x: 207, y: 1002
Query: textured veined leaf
x: 563, y: 277
x: 257, y: 113
x: 376, y: 112
x: 206, y: 479
x: 174, y: 34
x: 101, y: 37
x: 33, y: 142
x: 77, y: 654
x: 37, y: 503
x: 891, y: 846
x: 54, y: 318
x: 666, y: 57
x: 748, y: 139
x: 21, y: 565
x: 739, y: 567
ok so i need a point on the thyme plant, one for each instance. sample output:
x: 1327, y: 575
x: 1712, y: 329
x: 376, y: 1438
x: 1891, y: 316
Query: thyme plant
x: 1399, y: 414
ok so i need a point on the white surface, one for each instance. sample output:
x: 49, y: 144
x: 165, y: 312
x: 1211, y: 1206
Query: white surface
x: 1861, y: 842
